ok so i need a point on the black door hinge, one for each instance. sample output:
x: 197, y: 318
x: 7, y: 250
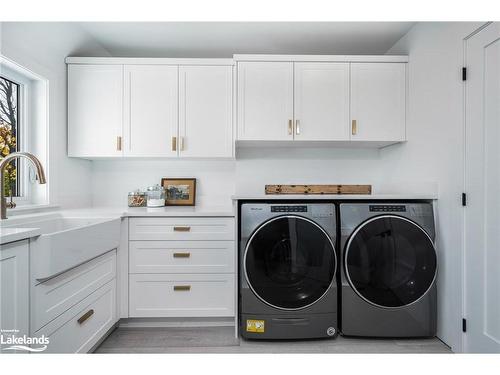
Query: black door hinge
x: 464, y: 199
x: 464, y: 74
x: 464, y: 325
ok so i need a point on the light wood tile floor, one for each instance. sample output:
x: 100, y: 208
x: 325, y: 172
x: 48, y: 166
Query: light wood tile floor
x: 222, y: 340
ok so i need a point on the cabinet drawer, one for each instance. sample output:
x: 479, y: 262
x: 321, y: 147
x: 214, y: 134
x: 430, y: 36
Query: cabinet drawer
x: 190, y: 295
x: 181, y: 256
x: 53, y: 297
x: 182, y: 228
x: 81, y: 327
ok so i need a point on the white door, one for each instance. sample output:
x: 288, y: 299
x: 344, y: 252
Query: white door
x: 151, y: 110
x: 95, y: 110
x: 205, y: 111
x: 482, y: 213
x: 321, y: 101
x: 14, y: 290
x: 378, y: 101
x: 265, y: 101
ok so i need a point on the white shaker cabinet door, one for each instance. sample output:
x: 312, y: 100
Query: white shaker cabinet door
x: 378, y: 101
x: 265, y: 101
x: 14, y: 290
x: 151, y: 110
x: 205, y: 111
x: 95, y: 110
x: 321, y: 101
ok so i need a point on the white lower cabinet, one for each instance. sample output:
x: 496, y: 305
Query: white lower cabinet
x: 76, y: 308
x: 53, y: 297
x: 181, y: 256
x: 14, y: 288
x: 188, y: 272
x: 181, y: 228
x: 181, y: 295
x: 82, y: 326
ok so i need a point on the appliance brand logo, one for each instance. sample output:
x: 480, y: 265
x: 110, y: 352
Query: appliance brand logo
x: 9, y: 341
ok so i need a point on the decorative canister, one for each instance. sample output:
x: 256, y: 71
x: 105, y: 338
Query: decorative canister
x: 155, y: 196
x: 137, y: 198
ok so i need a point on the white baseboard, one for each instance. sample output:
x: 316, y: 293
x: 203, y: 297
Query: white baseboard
x: 175, y: 322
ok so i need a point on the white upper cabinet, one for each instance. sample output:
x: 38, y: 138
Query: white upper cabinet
x: 151, y: 110
x: 321, y: 101
x: 95, y: 110
x: 128, y: 107
x: 265, y: 101
x: 176, y: 108
x: 205, y: 111
x: 322, y: 98
x: 378, y: 105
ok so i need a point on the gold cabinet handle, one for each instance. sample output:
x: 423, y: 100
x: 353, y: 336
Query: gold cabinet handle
x: 290, y: 127
x: 354, y: 127
x: 174, y: 143
x: 297, y: 127
x: 85, y: 316
x: 182, y: 143
x: 182, y: 288
x: 182, y: 229
x: 118, y: 143
x: 182, y: 255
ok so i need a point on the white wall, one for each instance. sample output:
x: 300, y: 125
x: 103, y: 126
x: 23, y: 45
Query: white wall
x: 42, y: 47
x: 435, y: 151
x: 112, y: 180
x: 256, y: 167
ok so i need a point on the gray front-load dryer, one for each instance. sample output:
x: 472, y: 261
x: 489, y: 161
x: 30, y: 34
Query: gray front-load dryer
x: 287, y: 272
x: 388, y: 270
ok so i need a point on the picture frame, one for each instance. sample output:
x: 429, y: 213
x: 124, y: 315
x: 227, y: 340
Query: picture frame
x: 179, y: 191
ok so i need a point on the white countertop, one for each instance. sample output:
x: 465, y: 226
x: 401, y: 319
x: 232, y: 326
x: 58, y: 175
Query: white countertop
x: 17, y: 234
x: 334, y: 196
x: 179, y: 211
x: 10, y: 233
x: 168, y: 211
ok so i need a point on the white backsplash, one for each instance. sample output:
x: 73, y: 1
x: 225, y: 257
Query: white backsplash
x: 113, y: 179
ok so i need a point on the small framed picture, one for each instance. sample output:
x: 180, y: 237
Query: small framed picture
x: 179, y: 191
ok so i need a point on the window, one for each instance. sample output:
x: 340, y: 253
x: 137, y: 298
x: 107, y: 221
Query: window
x: 23, y: 127
x: 10, y: 132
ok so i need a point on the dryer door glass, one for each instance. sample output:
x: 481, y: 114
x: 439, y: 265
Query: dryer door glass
x: 390, y: 261
x: 290, y: 262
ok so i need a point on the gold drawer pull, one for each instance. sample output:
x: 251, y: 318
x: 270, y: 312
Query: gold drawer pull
x: 182, y: 255
x: 182, y: 229
x: 182, y: 288
x: 354, y: 127
x: 174, y: 143
x: 118, y: 143
x: 85, y: 316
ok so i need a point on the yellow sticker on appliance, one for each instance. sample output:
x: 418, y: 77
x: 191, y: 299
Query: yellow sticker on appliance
x: 255, y: 326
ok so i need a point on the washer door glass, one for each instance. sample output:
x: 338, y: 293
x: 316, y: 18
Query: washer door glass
x: 290, y: 262
x: 390, y: 261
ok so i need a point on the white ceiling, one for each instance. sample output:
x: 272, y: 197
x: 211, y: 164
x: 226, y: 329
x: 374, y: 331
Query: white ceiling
x: 223, y: 39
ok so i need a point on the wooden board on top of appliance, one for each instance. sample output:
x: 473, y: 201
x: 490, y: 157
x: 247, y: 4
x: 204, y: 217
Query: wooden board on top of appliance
x: 319, y: 189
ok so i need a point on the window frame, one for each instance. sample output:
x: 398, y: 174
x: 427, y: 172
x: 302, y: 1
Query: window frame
x: 24, y: 171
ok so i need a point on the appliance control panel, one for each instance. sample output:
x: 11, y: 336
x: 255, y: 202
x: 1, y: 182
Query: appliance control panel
x: 387, y: 208
x: 288, y: 208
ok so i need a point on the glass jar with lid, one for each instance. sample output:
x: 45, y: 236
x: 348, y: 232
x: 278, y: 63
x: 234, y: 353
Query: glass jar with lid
x: 137, y: 198
x: 155, y: 196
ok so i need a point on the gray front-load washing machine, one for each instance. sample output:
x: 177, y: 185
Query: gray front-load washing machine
x: 287, y: 272
x: 388, y: 269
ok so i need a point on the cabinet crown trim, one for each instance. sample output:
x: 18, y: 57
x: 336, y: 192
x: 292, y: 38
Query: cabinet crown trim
x: 324, y: 58
x: 147, y: 61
